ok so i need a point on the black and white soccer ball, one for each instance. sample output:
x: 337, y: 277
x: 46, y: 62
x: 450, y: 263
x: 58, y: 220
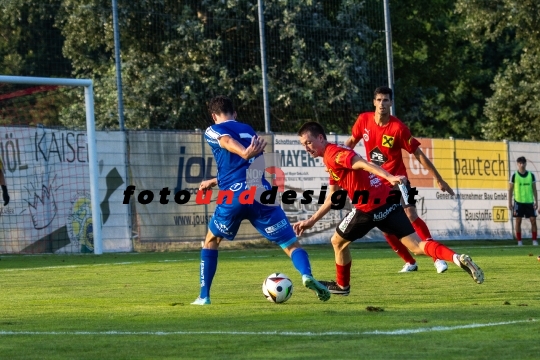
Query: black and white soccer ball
x: 277, y: 288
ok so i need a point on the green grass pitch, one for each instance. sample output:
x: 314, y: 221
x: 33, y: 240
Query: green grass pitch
x: 137, y: 306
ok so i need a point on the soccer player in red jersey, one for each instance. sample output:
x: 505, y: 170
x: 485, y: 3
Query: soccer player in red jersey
x: 384, y: 136
x: 375, y: 205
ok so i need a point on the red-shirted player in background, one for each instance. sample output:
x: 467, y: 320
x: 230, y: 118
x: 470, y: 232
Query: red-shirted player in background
x: 352, y: 173
x: 384, y: 137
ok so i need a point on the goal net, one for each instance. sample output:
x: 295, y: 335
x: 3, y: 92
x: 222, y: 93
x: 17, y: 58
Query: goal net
x: 51, y: 173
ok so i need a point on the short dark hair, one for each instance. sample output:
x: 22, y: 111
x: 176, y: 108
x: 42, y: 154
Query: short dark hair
x: 312, y: 127
x: 521, y: 159
x: 220, y: 105
x: 385, y: 90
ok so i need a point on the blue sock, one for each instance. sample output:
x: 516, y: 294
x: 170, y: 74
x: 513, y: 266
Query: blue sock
x: 209, y: 259
x: 300, y: 261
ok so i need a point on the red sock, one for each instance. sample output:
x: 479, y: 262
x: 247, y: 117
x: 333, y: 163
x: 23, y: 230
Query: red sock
x: 534, y: 235
x: 399, y: 248
x: 518, y: 236
x: 421, y: 229
x: 438, y: 250
x: 343, y: 274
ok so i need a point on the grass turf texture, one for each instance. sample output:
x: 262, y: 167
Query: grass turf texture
x: 136, y: 306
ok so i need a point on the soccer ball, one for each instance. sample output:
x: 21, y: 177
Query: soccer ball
x: 277, y: 288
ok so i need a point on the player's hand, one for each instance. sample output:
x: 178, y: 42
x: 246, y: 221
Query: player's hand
x: 255, y: 148
x: 443, y: 185
x: 302, y: 226
x: 207, y: 185
x: 511, y: 207
x: 395, y: 180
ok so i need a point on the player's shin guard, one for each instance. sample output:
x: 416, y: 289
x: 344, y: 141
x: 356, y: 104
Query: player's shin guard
x: 300, y: 261
x: 399, y: 248
x: 343, y: 274
x: 437, y: 250
x: 209, y: 259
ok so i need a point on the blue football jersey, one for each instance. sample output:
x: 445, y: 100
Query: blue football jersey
x: 231, y: 167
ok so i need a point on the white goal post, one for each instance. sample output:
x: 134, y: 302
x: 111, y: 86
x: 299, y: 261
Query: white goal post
x: 91, y: 138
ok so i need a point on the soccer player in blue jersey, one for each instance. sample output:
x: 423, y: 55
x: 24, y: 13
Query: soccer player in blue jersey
x: 235, y: 145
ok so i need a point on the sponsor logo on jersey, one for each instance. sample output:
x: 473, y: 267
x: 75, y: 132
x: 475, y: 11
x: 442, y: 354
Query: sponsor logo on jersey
x: 377, y: 157
x: 366, y: 134
x: 237, y: 186
x: 374, y: 181
x: 276, y: 227
x: 340, y: 157
x: 333, y: 174
x: 388, y: 141
x: 381, y: 215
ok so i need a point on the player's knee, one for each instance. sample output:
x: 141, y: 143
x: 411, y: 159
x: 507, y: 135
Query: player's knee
x: 338, y: 242
x: 211, y: 241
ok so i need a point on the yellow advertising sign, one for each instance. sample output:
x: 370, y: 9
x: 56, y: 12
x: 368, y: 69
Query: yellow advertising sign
x: 472, y: 164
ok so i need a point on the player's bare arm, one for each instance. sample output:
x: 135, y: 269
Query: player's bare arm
x: 511, y: 194
x: 351, y: 142
x: 303, y: 225
x: 426, y: 163
x: 360, y: 164
x: 208, y: 184
x: 255, y: 148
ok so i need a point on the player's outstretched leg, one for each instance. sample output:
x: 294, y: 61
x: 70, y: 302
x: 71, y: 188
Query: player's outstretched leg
x: 301, y: 262
x: 435, y: 249
x: 322, y: 291
x: 466, y: 263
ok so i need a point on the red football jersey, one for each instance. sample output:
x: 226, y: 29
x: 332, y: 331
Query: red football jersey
x: 384, y: 143
x: 338, y: 161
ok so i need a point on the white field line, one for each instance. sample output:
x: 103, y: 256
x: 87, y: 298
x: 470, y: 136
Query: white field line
x: 266, y: 333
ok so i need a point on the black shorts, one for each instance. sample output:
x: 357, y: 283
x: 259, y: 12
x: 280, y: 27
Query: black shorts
x: 389, y: 218
x: 524, y: 210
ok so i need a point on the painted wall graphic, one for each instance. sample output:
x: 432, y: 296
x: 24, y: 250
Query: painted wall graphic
x: 478, y: 173
x: 47, y: 176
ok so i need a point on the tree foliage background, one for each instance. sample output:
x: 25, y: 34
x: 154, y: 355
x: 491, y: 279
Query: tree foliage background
x: 463, y: 68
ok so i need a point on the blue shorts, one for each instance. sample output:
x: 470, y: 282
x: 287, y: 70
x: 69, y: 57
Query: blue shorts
x: 270, y: 221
